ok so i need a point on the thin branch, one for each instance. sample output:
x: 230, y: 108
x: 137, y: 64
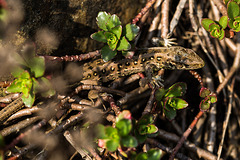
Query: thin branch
x: 73, y: 58
x: 17, y: 127
x: 164, y: 18
x: 189, y: 146
x: 79, y: 149
x: 185, y: 135
x: 150, y: 102
x: 222, y: 8
x: 176, y: 16
x: 10, y: 109
x: 225, y: 123
x: 100, y: 89
x: 143, y: 11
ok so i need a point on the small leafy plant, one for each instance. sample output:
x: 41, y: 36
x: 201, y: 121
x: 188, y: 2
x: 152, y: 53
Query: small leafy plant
x: 209, y: 98
x: 145, y: 128
x: 114, y: 138
x: 113, y: 34
x: 169, y: 99
x: 234, y: 16
x: 216, y: 28
x: 227, y: 24
x: 28, y: 76
x: 127, y: 134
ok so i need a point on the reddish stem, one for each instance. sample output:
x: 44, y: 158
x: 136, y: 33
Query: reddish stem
x: 143, y: 11
x: 185, y: 135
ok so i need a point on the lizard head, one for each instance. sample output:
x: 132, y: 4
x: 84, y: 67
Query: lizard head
x: 186, y: 59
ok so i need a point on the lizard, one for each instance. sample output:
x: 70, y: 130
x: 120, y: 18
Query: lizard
x: 155, y: 58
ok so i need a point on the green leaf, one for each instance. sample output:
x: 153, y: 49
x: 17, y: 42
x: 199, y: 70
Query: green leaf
x: 218, y: 34
x: 233, y: 10
x: 111, y: 40
x: 112, y: 145
x: 124, y: 126
x: 146, y: 119
x: 35, y: 84
x: 230, y: 23
x: 160, y: 93
x: 129, y: 141
x: 169, y: 112
x: 37, y: 66
x: 204, y: 92
x: 15, y: 87
x: 216, y: 31
x: 123, y: 44
x: 102, y: 19
x: 111, y: 133
x: 117, y: 31
x: 99, y: 36
x: 17, y: 72
x: 212, y: 98
x: 19, y: 59
x: 154, y: 154
x: 235, y: 24
x: 147, y: 129
x: 107, y: 53
x: 28, y: 100
x: 214, y: 26
x: 113, y: 21
x: 222, y: 35
x: 176, y: 90
x: 223, y: 21
x: 131, y: 31
x: 177, y: 103
x: 140, y: 138
x: 206, y: 23
x: 28, y: 53
x: 25, y: 75
x: 46, y: 87
x: 142, y: 156
x: 26, y: 86
x: 100, y: 130
x: 204, y: 105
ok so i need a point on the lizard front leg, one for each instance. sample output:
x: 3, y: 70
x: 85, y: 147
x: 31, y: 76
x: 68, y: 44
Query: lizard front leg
x: 154, y: 81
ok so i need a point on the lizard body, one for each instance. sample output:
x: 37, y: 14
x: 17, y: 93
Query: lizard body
x: 156, y: 58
